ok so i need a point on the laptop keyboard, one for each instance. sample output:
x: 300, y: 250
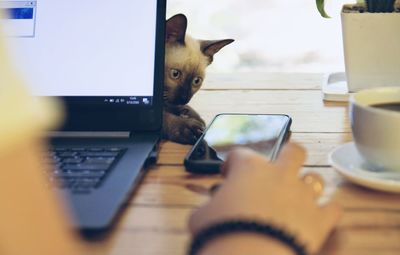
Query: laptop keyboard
x: 82, y: 170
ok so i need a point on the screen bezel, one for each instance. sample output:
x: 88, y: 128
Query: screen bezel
x: 213, y: 166
x: 81, y: 116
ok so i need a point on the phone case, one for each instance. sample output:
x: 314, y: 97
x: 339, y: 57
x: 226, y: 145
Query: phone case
x: 212, y: 166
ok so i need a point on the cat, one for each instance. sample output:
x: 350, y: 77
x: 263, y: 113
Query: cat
x: 186, y: 60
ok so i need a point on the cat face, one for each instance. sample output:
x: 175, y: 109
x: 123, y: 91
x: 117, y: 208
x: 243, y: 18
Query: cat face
x: 186, y: 60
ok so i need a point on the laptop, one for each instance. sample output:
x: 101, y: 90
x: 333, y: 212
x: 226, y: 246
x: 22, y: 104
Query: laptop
x: 105, y: 60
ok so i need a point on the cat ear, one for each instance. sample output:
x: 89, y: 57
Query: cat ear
x: 209, y: 48
x: 176, y: 29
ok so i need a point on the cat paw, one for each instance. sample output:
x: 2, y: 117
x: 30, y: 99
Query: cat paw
x: 188, y: 132
x: 188, y: 112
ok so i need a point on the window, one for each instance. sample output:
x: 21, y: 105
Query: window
x: 20, y: 18
x: 271, y: 35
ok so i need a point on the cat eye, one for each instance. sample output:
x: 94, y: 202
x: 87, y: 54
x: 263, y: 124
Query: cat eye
x: 197, y: 81
x: 175, y: 74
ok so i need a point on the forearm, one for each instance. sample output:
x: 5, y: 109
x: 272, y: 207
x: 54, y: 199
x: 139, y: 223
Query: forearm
x: 240, y: 244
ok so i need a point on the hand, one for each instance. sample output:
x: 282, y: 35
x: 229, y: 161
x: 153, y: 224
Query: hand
x: 271, y: 192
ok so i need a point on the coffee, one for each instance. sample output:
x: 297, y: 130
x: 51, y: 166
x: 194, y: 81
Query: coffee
x: 388, y: 106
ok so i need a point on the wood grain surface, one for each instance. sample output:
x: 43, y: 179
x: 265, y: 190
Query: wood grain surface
x: 155, y: 219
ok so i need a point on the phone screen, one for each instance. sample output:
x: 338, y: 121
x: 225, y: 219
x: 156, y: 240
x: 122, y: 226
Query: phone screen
x: 263, y: 133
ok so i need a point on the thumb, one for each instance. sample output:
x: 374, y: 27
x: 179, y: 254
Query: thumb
x: 241, y: 159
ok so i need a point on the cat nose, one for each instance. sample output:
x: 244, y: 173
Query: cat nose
x: 183, y: 99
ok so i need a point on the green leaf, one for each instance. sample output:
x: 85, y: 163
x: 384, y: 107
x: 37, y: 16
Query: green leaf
x: 321, y: 8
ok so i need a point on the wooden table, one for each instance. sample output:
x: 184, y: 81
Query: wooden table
x: 155, y: 220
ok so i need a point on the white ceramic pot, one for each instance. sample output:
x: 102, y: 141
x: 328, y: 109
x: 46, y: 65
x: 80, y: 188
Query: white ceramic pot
x: 372, y: 49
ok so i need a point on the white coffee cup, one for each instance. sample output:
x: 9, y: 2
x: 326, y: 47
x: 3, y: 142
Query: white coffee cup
x: 376, y: 131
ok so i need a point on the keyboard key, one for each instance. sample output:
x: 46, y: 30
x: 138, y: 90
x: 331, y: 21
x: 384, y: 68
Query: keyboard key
x: 86, y: 166
x: 77, y: 149
x: 81, y: 174
x: 93, y: 181
x: 60, y: 149
x: 113, y: 149
x: 95, y: 149
x: 99, y: 154
x: 72, y: 160
x: 67, y: 154
x: 100, y: 160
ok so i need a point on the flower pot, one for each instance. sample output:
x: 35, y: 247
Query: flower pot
x: 371, y: 48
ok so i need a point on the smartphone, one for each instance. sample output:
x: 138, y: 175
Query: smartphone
x: 265, y: 133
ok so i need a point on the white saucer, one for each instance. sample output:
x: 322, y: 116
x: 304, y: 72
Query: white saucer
x: 348, y: 162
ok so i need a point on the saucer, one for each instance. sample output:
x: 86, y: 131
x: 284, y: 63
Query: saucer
x: 349, y: 163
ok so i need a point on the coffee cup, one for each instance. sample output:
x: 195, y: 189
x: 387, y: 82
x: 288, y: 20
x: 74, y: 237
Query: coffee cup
x: 375, y: 124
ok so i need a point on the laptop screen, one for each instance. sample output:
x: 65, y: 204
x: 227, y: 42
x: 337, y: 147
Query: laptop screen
x: 87, y: 51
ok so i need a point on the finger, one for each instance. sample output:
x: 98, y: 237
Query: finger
x: 332, y: 213
x: 291, y: 158
x: 241, y: 159
x: 234, y: 156
x: 315, y: 183
x: 214, y: 189
x: 331, y: 217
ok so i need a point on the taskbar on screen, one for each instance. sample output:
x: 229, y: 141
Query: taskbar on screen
x: 112, y: 100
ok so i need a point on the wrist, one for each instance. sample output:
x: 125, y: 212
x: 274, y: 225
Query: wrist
x: 245, y: 243
x: 277, y: 238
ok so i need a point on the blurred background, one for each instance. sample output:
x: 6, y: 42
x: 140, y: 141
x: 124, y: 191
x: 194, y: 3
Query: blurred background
x: 271, y: 35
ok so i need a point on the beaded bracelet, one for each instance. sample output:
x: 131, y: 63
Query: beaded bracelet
x: 239, y: 226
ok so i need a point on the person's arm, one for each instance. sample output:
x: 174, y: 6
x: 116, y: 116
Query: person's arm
x: 270, y: 193
x: 32, y: 220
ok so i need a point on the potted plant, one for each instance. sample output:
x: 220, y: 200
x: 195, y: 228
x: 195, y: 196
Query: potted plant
x: 371, y: 41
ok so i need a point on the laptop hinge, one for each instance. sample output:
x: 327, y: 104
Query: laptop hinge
x: 89, y: 134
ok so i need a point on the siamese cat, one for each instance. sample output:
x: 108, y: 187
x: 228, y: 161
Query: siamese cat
x: 186, y: 60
